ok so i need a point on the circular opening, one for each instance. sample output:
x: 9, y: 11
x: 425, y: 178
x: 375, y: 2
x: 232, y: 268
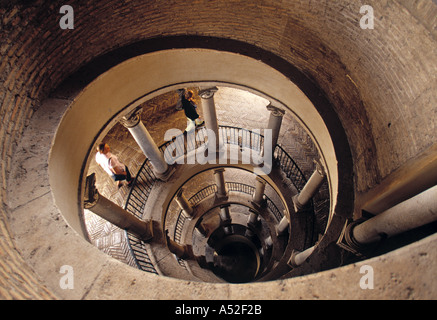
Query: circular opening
x: 81, y: 134
x: 166, y: 71
x: 236, y: 260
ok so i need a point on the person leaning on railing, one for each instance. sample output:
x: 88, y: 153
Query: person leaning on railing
x: 110, y: 163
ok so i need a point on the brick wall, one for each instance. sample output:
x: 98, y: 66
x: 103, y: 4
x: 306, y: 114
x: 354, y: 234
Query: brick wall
x: 381, y: 82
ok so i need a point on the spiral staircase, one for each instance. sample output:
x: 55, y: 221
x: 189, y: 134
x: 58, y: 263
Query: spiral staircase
x: 222, y: 221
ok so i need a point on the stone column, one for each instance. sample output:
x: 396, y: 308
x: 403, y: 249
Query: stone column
x: 181, y: 251
x: 252, y: 222
x: 133, y: 123
x: 220, y: 182
x: 225, y: 217
x: 183, y: 203
x: 282, y: 226
x: 269, y: 242
x: 271, y: 135
x: 260, y: 186
x: 202, y: 230
x: 209, y: 113
x: 410, y: 214
x: 310, y: 188
x: 253, y: 218
x: 113, y: 213
x: 298, y: 258
x: 225, y: 214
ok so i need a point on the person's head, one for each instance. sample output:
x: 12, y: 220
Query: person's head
x: 103, y: 148
x: 189, y: 94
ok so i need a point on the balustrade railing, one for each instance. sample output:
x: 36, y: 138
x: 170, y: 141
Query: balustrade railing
x: 212, y: 189
x: 135, y: 204
x: 145, y: 179
x: 289, y: 167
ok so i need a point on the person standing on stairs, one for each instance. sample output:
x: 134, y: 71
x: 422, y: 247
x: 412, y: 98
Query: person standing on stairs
x: 110, y: 163
x: 189, y: 107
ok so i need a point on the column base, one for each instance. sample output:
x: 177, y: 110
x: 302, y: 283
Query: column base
x: 298, y: 207
x: 298, y: 258
x: 292, y: 261
x: 221, y: 197
x: 347, y: 242
x: 259, y: 206
x: 282, y: 226
x: 166, y: 175
x: 148, y: 235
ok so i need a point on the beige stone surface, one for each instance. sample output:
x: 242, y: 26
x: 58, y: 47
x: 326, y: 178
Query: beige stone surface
x: 380, y: 86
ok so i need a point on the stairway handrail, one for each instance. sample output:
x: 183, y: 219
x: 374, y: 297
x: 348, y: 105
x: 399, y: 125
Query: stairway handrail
x: 286, y: 163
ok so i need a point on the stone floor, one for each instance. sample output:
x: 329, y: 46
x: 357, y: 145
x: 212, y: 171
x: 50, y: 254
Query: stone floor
x: 234, y: 108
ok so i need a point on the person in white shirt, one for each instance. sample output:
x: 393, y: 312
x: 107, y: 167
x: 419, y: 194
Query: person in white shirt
x: 113, y: 167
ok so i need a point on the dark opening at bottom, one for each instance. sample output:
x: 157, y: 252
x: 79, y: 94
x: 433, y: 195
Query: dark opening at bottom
x: 236, y: 262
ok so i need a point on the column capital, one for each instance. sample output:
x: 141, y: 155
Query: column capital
x: 208, y: 93
x: 225, y: 205
x: 180, y: 192
x: 132, y: 119
x: 297, y: 205
x: 183, y: 202
x: 319, y: 168
x: 275, y: 111
x: 282, y: 226
x: 181, y: 251
x: 254, y: 221
x: 219, y: 170
x: 261, y: 180
x: 225, y: 214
